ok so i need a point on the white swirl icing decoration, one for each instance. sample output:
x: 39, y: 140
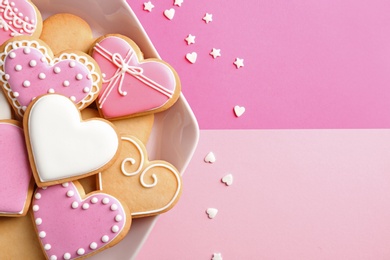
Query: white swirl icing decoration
x: 132, y: 160
x: 154, y: 176
x: 177, y: 192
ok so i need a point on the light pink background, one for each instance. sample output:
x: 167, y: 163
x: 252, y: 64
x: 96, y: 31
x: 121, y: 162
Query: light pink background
x: 307, y: 64
x: 297, y: 194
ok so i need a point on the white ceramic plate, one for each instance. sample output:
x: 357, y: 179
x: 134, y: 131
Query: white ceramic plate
x: 175, y: 132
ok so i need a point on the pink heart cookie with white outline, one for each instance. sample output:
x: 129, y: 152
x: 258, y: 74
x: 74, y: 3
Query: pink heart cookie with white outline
x: 131, y: 85
x: 71, y: 225
x: 16, y: 186
x: 29, y: 70
x: 19, y: 17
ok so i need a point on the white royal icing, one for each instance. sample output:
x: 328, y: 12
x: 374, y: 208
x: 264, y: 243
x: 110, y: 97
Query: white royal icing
x: 62, y: 145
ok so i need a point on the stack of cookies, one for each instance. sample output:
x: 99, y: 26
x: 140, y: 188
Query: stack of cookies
x: 75, y: 115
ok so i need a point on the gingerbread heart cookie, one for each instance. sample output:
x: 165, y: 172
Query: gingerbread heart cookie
x: 28, y: 69
x: 17, y: 183
x: 132, y: 86
x: 147, y: 187
x: 71, y: 225
x: 61, y: 146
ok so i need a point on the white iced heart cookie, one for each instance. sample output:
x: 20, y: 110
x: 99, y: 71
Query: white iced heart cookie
x: 211, y: 212
x: 62, y: 147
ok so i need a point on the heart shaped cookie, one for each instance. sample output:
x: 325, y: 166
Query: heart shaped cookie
x: 19, y: 17
x: 71, y: 225
x: 147, y: 187
x: 28, y: 70
x: 17, y: 184
x: 61, y: 146
x: 131, y: 85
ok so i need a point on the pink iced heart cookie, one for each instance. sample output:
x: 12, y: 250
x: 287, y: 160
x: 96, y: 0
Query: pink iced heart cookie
x: 19, y: 17
x: 16, y: 185
x: 63, y: 147
x: 28, y: 70
x: 131, y: 85
x: 71, y: 225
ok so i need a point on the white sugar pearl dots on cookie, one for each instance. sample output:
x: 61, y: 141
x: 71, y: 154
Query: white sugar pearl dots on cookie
x: 32, y: 70
x: 52, y: 207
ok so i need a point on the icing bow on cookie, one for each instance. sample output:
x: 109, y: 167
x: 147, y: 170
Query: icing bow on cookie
x: 124, y: 66
x: 132, y: 86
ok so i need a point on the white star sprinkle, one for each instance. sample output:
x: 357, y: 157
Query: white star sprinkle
x: 148, y: 6
x: 217, y: 256
x: 239, y: 63
x: 215, y: 53
x: 190, y: 39
x: 207, y: 17
x: 178, y: 2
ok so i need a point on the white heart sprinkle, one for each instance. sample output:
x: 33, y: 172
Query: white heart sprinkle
x: 210, y: 158
x: 217, y: 256
x: 169, y: 13
x: 191, y: 57
x: 228, y: 179
x: 211, y: 212
x: 238, y: 110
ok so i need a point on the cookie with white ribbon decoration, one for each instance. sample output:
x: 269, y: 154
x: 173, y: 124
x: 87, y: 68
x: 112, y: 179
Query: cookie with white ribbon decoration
x: 132, y: 86
x: 63, y: 147
x: 28, y: 70
x: 147, y: 187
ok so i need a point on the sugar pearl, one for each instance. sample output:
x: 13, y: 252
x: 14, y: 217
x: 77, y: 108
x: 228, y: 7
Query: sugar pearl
x: 42, y: 75
x: 33, y: 63
x: 105, y: 239
x: 26, y: 83
x: 93, y: 245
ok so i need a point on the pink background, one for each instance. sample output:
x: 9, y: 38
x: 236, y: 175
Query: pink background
x: 300, y: 194
x: 315, y: 194
x: 307, y: 64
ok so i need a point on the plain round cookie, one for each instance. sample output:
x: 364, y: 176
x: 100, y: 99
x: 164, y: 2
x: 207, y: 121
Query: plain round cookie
x: 66, y: 31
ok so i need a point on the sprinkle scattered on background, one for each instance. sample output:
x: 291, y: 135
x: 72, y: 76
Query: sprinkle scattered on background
x: 307, y: 64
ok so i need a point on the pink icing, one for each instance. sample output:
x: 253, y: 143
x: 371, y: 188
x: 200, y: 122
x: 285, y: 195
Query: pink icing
x: 130, y: 86
x: 15, y: 169
x: 17, y: 17
x: 69, y: 226
x: 30, y: 74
